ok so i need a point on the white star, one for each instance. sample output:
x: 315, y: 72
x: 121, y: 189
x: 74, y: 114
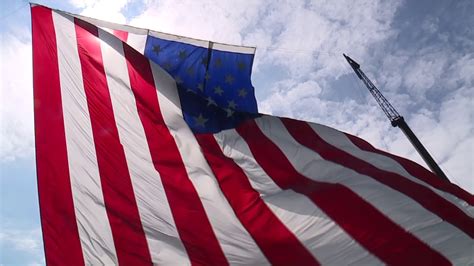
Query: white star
x: 182, y: 54
x: 156, y: 49
x: 167, y: 66
x: 190, y: 71
x: 232, y: 104
x: 200, y: 121
x: 218, y: 90
x: 229, y: 111
x: 218, y: 62
x: 229, y: 79
x: 241, y: 65
x: 242, y: 93
x: 210, y: 101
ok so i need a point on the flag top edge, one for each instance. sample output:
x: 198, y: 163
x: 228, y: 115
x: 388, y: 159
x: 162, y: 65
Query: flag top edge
x: 203, y: 43
x: 166, y: 36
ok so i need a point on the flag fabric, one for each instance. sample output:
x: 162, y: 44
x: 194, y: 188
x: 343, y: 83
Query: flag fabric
x: 218, y: 74
x: 215, y: 71
x: 135, y: 169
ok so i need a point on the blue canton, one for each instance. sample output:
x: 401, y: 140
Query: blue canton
x: 215, y: 89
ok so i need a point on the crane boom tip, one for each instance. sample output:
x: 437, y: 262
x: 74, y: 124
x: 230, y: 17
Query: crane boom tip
x: 351, y: 62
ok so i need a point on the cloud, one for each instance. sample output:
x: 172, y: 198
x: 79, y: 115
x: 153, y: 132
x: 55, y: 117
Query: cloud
x: 434, y: 68
x: 422, y: 73
x: 24, y: 246
x: 29, y: 241
x: 314, y: 36
x: 110, y: 10
x: 288, y: 93
x: 16, y: 99
x: 448, y: 135
x: 220, y: 21
x: 430, y: 82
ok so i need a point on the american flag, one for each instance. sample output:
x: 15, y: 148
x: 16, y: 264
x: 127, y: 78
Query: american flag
x: 150, y: 150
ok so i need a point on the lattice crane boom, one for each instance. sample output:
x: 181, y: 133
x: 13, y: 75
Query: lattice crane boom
x: 396, y: 119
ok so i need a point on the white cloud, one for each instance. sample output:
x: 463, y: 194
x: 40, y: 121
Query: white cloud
x: 287, y: 93
x: 437, y: 82
x: 110, y: 10
x: 424, y: 71
x: 29, y: 241
x: 220, y: 21
x: 460, y: 72
x: 322, y: 31
x: 448, y: 135
x: 25, y: 242
x: 430, y: 24
x: 16, y: 99
x: 459, y: 166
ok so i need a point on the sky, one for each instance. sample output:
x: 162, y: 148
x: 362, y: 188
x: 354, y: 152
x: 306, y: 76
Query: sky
x: 420, y: 54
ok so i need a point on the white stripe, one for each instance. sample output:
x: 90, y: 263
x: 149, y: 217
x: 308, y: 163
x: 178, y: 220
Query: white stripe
x: 340, y: 140
x: 448, y: 240
x: 236, y: 243
x: 94, y: 229
x: 155, y: 214
x: 329, y: 243
x: 233, y: 48
x: 137, y: 41
x: 204, y: 44
x: 111, y: 31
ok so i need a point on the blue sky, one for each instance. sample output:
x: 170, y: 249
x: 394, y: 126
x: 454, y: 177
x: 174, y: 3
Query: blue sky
x: 419, y: 53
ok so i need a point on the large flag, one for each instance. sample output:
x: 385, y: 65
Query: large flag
x: 139, y: 166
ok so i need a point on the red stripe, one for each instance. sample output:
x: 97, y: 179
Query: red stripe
x: 122, y: 35
x: 60, y: 234
x: 120, y: 203
x: 447, y: 211
x: 188, y: 212
x: 417, y: 171
x: 278, y: 244
x: 364, y: 223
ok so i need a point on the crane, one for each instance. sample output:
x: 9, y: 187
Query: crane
x: 396, y: 119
